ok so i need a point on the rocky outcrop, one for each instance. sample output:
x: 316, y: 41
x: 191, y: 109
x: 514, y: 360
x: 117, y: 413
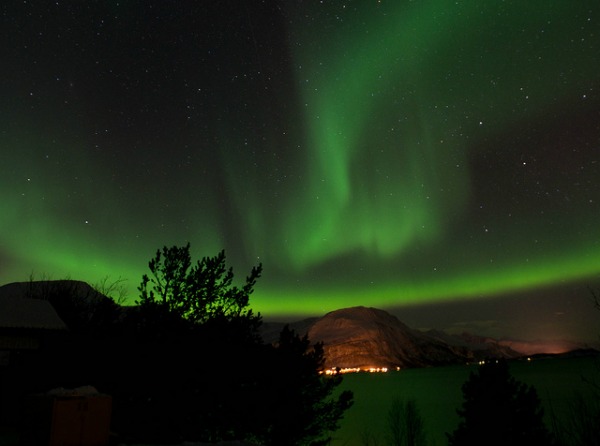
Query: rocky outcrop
x: 368, y: 337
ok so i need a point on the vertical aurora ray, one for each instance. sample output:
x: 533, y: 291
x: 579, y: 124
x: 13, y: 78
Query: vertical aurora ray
x: 398, y: 100
x: 375, y: 172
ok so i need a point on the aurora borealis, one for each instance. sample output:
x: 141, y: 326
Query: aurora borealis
x: 380, y: 153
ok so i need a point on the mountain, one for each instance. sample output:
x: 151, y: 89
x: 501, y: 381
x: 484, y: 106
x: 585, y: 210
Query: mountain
x: 509, y: 348
x: 481, y: 347
x: 528, y: 348
x: 352, y: 337
x: 368, y: 337
x: 81, y: 307
x: 48, y: 289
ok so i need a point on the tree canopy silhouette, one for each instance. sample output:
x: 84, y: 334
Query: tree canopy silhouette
x: 197, y: 292
x: 300, y: 408
x: 198, y: 369
x: 499, y: 410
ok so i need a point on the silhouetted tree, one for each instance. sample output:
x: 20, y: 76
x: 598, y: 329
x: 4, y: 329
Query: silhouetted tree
x: 188, y: 338
x: 499, y: 410
x: 405, y: 425
x: 196, y: 292
x: 198, y: 369
x: 300, y: 408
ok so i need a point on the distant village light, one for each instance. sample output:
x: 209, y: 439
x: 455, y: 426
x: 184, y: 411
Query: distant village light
x: 338, y: 370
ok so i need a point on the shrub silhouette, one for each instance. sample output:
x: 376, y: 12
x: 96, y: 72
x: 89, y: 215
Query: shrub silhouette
x: 499, y: 410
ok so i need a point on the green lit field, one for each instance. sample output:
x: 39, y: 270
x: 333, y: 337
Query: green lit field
x: 438, y: 395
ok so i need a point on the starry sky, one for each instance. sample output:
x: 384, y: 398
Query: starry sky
x: 440, y: 159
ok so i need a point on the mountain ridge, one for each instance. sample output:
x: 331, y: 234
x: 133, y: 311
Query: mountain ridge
x: 366, y: 337
x: 353, y: 337
x: 371, y: 338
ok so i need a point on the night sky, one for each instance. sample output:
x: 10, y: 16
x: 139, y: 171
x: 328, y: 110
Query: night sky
x: 439, y: 159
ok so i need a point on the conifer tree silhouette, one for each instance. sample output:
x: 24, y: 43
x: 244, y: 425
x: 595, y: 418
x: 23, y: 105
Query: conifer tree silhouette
x: 499, y: 410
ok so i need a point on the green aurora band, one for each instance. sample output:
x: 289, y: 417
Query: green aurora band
x: 428, y: 155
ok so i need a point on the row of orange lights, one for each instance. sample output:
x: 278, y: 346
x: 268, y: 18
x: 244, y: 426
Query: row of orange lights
x: 336, y: 370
